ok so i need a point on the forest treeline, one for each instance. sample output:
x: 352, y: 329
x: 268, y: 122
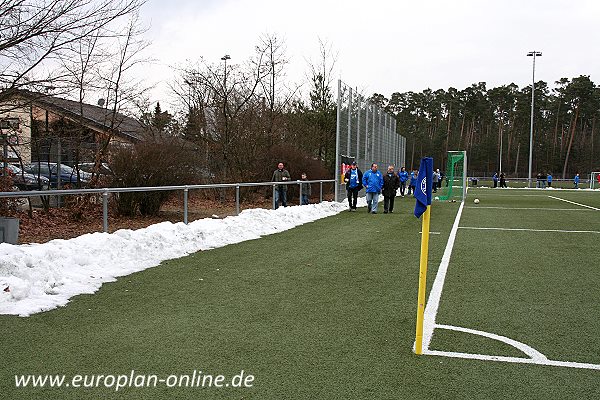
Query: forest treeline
x: 494, y: 123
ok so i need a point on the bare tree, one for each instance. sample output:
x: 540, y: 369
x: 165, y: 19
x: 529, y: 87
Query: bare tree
x: 124, y: 93
x: 322, y: 107
x: 222, y: 96
x: 276, y: 94
x: 33, y: 33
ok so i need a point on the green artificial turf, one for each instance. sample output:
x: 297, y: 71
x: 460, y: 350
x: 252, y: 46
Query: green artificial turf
x: 327, y: 311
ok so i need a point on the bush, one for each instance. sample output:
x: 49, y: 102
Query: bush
x: 6, y: 204
x: 157, y: 163
x: 296, y: 162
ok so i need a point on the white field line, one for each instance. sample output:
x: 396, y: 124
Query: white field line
x: 432, y: 307
x: 572, y: 202
x: 529, y: 208
x: 509, y: 195
x: 433, y: 302
x: 485, y: 357
x: 530, y: 351
x: 524, y: 230
x: 552, y: 189
x: 431, y: 233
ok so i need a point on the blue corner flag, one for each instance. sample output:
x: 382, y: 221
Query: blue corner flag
x: 423, y: 189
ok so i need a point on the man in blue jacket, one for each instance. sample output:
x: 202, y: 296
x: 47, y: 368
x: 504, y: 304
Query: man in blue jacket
x: 403, y: 176
x: 373, y: 182
x: 413, y: 182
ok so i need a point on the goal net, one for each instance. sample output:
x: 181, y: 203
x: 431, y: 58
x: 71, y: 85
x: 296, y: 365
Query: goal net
x: 594, y: 182
x: 454, y: 182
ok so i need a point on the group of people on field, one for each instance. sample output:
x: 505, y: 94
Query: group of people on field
x: 499, y: 178
x: 376, y: 183
x: 543, y: 180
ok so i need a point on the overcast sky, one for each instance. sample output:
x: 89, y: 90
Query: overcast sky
x: 387, y: 46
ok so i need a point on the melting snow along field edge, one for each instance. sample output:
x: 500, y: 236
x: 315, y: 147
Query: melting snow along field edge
x: 40, y: 277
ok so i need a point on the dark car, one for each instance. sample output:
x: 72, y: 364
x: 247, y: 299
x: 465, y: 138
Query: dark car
x: 26, y: 181
x: 68, y: 175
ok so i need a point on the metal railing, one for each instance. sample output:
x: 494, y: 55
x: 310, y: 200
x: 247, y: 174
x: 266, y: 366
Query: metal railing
x: 185, y: 188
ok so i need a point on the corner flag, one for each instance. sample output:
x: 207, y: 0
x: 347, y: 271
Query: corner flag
x: 423, y: 207
x: 423, y: 189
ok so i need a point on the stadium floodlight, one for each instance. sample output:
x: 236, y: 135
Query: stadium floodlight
x: 533, y: 54
x: 225, y: 58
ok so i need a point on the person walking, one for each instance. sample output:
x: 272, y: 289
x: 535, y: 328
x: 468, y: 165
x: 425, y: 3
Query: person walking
x: 305, y: 189
x: 391, y: 183
x: 502, y: 180
x: 373, y: 182
x: 576, y: 181
x: 436, y: 180
x: 280, y: 175
x: 544, y: 179
x: 413, y: 182
x: 549, y: 178
x: 353, y: 180
x: 495, y: 179
x: 403, y: 178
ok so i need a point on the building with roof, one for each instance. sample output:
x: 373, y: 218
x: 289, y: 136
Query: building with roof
x: 38, y: 127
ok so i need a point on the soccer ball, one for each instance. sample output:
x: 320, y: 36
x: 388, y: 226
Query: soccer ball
x: 476, y: 201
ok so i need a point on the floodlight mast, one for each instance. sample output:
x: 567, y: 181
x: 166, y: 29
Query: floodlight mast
x: 533, y: 54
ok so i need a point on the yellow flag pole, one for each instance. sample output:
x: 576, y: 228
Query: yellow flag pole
x: 422, y: 280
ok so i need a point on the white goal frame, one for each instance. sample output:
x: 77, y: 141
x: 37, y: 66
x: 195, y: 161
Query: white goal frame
x: 594, y: 180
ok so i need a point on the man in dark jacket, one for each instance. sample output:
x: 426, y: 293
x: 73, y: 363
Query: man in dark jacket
x: 280, y: 175
x: 391, y: 183
x: 353, y: 180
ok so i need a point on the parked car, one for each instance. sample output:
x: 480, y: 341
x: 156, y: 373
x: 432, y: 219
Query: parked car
x: 26, y: 181
x: 68, y: 175
x: 89, y: 167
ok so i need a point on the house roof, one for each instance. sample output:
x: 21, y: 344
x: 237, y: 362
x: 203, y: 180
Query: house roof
x: 95, y: 117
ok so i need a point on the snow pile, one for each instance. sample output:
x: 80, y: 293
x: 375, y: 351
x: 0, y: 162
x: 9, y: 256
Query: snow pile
x: 40, y: 277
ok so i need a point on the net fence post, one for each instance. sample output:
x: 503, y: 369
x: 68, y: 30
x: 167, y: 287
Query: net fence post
x: 105, y: 211
x: 321, y: 192
x: 337, y: 141
x: 237, y: 199
x: 185, y: 205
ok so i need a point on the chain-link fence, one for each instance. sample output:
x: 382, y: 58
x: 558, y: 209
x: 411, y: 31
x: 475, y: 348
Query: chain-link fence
x: 365, y: 134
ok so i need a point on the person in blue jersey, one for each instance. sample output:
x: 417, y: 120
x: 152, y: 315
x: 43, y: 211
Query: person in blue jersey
x: 353, y: 180
x: 576, y: 181
x: 306, y: 189
x: 403, y: 178
x: 391, y: 183
x: 373, y: 182
x: 495, y: 179
x: 549, y: 179
x: 413, y: 182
